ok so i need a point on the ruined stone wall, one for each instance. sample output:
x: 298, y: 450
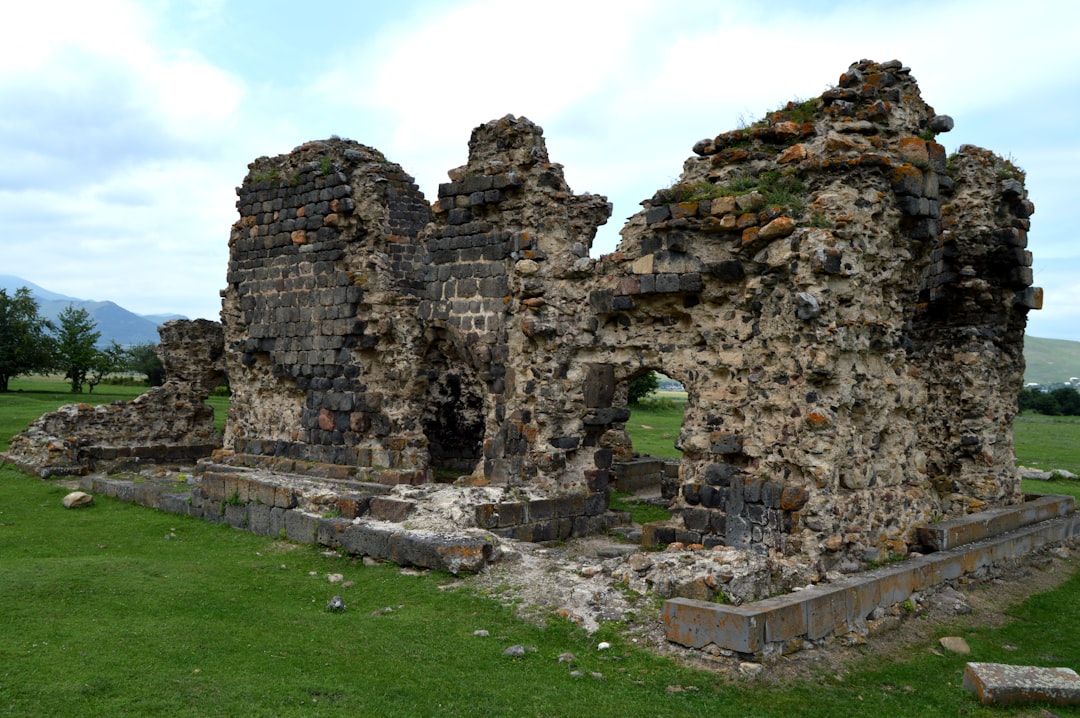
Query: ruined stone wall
x: 320, y: 311
x: 844, y: 305
x: 171, y: 422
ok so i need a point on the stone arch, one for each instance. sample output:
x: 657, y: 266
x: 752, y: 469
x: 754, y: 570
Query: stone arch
x: 453, y: 406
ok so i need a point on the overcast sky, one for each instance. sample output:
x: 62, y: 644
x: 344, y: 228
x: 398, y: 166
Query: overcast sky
x: 126, y: 126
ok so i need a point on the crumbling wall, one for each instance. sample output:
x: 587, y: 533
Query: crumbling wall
x: 171, y: 422
x: 844, y: 305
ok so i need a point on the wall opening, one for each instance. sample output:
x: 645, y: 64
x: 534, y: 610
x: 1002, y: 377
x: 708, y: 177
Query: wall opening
x: 454, y: 413
x: 649, y: 465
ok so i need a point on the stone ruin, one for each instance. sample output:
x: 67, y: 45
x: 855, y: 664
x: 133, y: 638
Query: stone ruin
x: 169, y: 423
x: 844, y: 304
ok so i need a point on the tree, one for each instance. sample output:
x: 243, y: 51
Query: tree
x: 25, y: 344
x: 75, y: 350
x: 142, y: 359
x: 639, y: 388
x: 1028, y: 398
x: 1068, y: 400
x: 106, y: 362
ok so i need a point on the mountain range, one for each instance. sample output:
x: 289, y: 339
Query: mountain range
x: 113, y: 321
x: 1049, y: 361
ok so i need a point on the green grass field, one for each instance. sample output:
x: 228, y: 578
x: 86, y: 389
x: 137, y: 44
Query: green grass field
x: 118, y: 610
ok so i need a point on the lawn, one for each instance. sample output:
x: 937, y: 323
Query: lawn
x: 120, y: 610
x: 1048, y: 442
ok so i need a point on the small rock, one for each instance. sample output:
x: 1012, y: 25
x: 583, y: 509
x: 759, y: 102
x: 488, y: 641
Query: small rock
x: 78, y: 500
x: 348, y: 584
x: 567, y: 658
x: 597, y: 676
x: 603, y: 646
x: 334, y: 577
x: 955, y: 644
x: 336, y: 605
x: 576, y: 674
x: 481, y: 633
x: 369, y: 561
x: 750, y: 670
x: 515, y: 651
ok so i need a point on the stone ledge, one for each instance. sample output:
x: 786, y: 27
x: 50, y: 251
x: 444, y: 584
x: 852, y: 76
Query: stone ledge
x: 761, y: 628
x: 1002, y: 684
x: 994, y: 522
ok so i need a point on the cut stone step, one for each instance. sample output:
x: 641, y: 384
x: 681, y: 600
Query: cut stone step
x: 1002, y: 684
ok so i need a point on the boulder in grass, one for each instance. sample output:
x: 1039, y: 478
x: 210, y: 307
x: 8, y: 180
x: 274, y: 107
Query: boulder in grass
x: 77, y: 500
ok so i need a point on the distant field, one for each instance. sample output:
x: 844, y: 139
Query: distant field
x: 655, y: 423
x: 1048, y: 442
x: 1050, y: 361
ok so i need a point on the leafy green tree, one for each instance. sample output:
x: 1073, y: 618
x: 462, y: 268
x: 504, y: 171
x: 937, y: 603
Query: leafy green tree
x: 106, y: 362
x: 75, y: 350
x: 1028, y: 399
x: 142, y: 359
x: 639, y: 388
x: 1068, y: 400
x: 25, y: 344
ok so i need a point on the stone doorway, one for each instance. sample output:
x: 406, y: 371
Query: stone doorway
x: 454, y: 412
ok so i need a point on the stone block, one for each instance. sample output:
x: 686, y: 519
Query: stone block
x: 331, y: 531
x: 384, y: 508
x: 540, y: 510
x: 973, y: 527
x: 784, y: 616
x: 1002, y: 684
x: 599, y: 385
x: 300, y: 527
x: 510, y: 513
x: 696, y: 624
x: 828, y: 610
x: 366, y: 540
x: 276, y: 522
x: 657, y: 534
x: 259, y: 519
x: 596, y: 504
x: 236, y: 515
x: 177, y: 503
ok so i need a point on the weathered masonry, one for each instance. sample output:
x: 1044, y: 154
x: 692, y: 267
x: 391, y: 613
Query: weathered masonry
x: 844, y: 303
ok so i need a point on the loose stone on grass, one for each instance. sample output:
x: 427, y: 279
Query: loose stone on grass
x: 78, y: 500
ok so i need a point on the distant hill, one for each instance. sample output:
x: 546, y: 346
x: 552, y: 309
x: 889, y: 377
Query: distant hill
x: 1051, y: 361
x: 113, y: 321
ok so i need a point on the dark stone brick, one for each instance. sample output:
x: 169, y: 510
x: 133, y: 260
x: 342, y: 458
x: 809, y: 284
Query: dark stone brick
x: 728, y: 271
x: 603, y: 458
x: 667, y: 283
x: 511, y: 513
x: 720, y: 474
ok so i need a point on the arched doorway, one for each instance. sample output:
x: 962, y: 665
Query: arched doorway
x: 454, y: 414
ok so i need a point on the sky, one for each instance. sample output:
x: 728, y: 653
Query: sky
x: 126, y: 126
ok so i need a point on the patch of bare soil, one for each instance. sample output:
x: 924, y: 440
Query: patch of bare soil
x: 572, y: 581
